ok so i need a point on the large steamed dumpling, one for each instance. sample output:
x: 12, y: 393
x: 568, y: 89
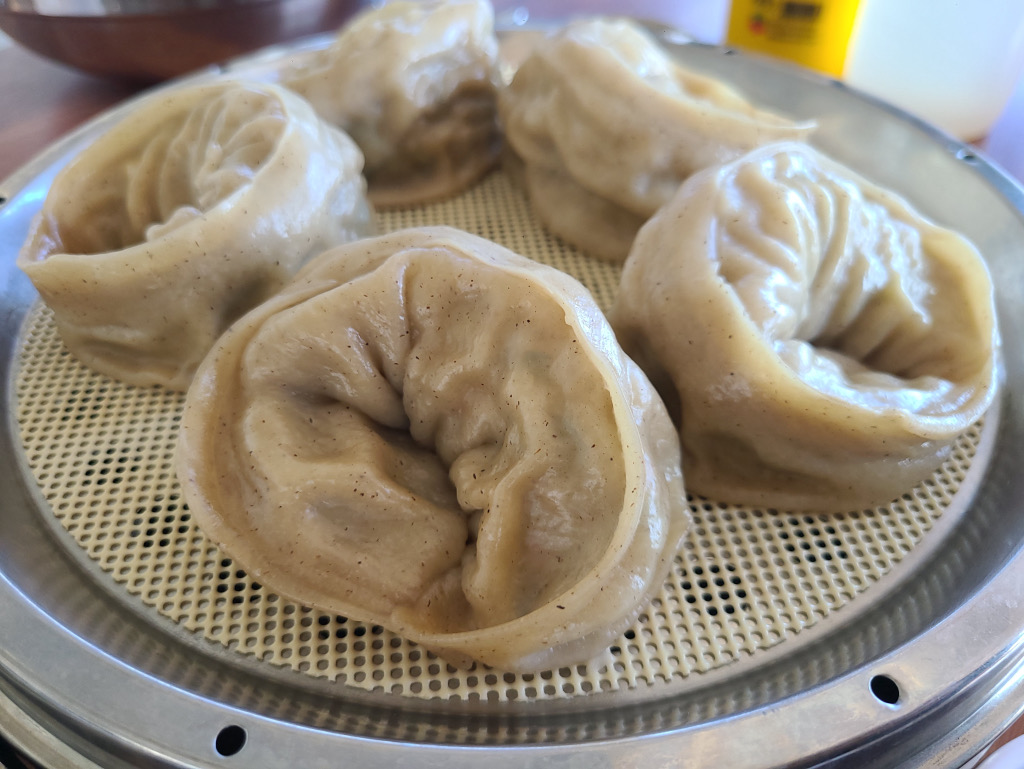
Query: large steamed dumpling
x: 604, y: 127
x: 824, y: 344
x: 429, y: 432
x: 197, y: 206
x: 415, y: 84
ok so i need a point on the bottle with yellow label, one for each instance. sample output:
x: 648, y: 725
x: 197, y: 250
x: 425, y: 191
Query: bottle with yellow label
x: 813, y: 33
x: 950, y: 62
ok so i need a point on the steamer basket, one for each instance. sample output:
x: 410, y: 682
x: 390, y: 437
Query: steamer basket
x: 884, y: 638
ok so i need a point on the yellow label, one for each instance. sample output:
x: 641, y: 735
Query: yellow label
x: 814, y: 33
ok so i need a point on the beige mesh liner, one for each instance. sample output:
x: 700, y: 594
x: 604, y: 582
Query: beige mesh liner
x: 746, y: 580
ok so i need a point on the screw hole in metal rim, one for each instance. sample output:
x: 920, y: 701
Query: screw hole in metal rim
x: 230, y: 740
x: 885, y: 689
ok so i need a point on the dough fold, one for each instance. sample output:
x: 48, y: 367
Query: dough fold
x: 431, y: 433
x: 821, y: 343
x: 606, y: 126
x: 196, y: 207
x: 415, y: 85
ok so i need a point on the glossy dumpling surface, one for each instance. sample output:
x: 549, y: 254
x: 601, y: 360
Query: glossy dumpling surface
x: 604, y: 121
x: 415, y: 84
x: 429, y: 432
x: 198, y: 205
x: 824, y: 344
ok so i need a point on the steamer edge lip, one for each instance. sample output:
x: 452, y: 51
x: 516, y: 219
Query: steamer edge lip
x: 999, y: 658
x: 44, y: 727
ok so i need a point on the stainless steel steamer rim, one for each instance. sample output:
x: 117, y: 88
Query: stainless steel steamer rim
x: 918, y: 664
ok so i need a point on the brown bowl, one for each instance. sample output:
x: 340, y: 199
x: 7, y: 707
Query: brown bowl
x: 150, y: 40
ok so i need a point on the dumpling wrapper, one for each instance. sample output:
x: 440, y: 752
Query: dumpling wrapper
x: 415, y: 85
x: 606, y: 126
x: 429, y: 432
x: 196, y: 207
x: 822, y: 343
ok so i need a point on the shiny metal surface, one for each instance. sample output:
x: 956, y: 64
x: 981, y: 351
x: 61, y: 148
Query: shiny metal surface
x: 152, y: 40
x: 115, y: 7
x: 102, y: 680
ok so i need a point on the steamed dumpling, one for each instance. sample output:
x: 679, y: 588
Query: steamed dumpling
x: 196, y: 207
x: 823, y: 343
x: 431, y: 433
x: 605, y: 126
x: 415, y: 84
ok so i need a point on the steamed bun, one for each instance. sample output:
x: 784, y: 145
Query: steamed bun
x: 604, y: 126
x: 415, y: 85
x: 428, y: 432
x: 197, y: 206
x: 822, y: 343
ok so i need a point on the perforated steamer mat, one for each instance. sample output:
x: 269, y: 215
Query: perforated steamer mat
x: 885, y: 637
